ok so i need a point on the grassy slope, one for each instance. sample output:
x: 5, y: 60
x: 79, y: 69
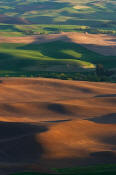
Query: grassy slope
x: 54, y: 17
x: 56, y: 56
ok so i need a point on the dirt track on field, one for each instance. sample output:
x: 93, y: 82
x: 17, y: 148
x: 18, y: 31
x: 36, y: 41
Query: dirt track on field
x: 102, y: 44
x: 48, y: 123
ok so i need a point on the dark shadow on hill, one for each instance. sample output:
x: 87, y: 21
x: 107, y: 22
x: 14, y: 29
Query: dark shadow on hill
x: 9, y: 27
x: 104, y: 154
x: 59, y: 108
x: 98, y: 52
x: 40, y: 6
x: 111, y: 140
x: 94, y: 158
x: 106, y: 95
x: 106, y: 52
x: 7, y: 107
x: 105, y: 119
x: 56, y: 121
x: 41, y: 20
x: 59, y: 50
x: 20, y: 65
x: 18, y: 143
x: 8, y: 62
x: 86, y: 52
x: 13, y: 20
x: 56, y: 49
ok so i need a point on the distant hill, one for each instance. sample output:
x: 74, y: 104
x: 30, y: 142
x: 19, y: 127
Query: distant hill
x: 12, y: 20
x: 84, y: 12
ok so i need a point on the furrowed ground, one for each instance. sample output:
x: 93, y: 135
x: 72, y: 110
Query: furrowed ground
x: 48, y: 125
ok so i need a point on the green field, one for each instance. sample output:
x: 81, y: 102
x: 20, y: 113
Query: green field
x: 37, y: 29
x: 48, y: 55
x: 42, y: 57
x: 91, y: 170
x: 48, y: 16
x: 57, y: 59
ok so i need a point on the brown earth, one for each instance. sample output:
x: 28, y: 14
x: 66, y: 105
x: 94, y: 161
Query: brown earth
x: 100, y: 43
x: 48, y: 123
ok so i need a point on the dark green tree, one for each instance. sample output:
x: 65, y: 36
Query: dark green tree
x: 100, y: 70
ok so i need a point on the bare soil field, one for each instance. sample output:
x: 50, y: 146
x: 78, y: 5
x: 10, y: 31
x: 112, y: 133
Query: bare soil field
x: 100, y: 43
x: 48, y: 123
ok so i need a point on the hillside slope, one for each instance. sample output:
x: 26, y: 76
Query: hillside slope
x: 48, y: 123
x: 65, y: 55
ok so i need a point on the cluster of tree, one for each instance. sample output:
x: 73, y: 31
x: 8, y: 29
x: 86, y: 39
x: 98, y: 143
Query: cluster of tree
x: 100, y: 71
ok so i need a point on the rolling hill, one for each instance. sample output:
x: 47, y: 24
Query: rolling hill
x: 48, y: 123
x: 65, y: 55
x: 61, y: 11
x: 26, y: 27
x: 92, y: 16
x: 58, y: 38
